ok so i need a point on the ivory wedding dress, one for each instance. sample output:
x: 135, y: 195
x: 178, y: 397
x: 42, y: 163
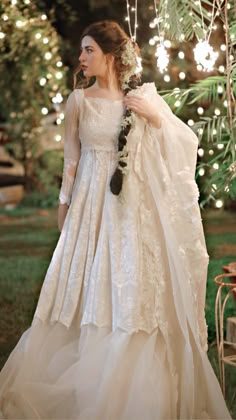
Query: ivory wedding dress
x: 119, y: 332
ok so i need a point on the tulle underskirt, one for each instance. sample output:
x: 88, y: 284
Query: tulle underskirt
x: 93, y: 373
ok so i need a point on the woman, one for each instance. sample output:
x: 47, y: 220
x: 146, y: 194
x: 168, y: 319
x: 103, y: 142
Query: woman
x: 119, y: 331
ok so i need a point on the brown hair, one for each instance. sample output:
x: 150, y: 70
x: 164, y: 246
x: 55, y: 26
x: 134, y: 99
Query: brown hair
x: 112, y: 39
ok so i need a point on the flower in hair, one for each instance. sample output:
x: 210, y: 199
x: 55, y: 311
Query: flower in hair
x: 130, y: 59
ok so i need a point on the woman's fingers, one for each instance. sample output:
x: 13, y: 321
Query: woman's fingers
x: 134, y: 103
x: 143, y: 108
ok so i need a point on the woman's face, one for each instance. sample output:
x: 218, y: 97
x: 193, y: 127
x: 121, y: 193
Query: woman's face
x: 93, y: 60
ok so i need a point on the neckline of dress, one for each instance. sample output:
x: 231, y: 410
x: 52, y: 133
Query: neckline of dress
x: 101, y: 98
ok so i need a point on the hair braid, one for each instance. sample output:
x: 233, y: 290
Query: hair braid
x: 117, y: 178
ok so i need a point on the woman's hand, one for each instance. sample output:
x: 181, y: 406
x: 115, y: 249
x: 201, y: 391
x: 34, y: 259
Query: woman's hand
x: 143, y: 108
x: 62, y: 212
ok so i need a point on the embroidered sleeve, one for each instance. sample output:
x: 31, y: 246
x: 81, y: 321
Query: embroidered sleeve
x: 71, y: 148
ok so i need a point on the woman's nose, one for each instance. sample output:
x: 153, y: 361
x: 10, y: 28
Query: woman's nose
x: 81, y: 56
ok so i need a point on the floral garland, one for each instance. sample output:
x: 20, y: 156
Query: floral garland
x: 129, y: 80
x: 129, y: 58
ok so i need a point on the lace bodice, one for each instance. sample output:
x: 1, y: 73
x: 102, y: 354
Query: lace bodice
x: 91, y: 123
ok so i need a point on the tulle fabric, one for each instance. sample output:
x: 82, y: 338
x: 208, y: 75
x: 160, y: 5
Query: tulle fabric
x: 97, y: 374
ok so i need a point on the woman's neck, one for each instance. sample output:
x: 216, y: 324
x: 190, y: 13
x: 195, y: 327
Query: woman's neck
x: 111, y: 85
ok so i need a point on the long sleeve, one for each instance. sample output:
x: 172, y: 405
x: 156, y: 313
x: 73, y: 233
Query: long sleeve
x: 71, y: 148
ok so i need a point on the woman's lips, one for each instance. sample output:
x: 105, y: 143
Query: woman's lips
x: 84, y: 68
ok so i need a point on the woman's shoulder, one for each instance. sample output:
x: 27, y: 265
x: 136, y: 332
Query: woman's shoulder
x: 78, y: 92
x: 76, y: 95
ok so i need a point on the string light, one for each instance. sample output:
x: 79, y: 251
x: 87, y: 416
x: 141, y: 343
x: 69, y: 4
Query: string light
x: 190, y: 123
x: 199, y: 67
x: 43, y: 81
x: 57, y: 137
x: 181, y: 55
x: 167, y: 43
x: 182, y: 75
x: 203, y: 52
x: 59, y: 75
x: 162, y: 57
x: 133, y: 35
x: 200, y: 152
x: 20, y: 23
x: 57, y: 99
x: 200, y: 110
x: 219, y: 204
x: 44, y: 110
x: 167, y: 78
x: 205, y: 55
x: 201, y: 171
x: 48, y: 55
x: 161, y: 51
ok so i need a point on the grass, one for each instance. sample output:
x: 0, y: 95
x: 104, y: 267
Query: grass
x: 27, y: 240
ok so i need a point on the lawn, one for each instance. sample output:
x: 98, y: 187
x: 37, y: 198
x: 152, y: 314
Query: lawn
x: 27, y: 240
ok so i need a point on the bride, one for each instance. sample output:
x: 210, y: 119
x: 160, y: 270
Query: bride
x: 119, y: 332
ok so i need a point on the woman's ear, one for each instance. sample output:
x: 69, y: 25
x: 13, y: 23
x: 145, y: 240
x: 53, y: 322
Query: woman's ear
x: 110, y: 59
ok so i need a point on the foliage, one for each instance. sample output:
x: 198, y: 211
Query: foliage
x: 178, y: 17
x: 32, y: 76
x: 217, y: 133
x: 47, y: 179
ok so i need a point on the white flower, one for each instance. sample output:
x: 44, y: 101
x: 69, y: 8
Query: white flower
x: 130, y: 59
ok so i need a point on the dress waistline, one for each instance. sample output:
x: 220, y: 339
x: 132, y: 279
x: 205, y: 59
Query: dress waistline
x: 100, y: 148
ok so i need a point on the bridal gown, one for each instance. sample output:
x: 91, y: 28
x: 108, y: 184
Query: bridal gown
x: 119, y: 331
